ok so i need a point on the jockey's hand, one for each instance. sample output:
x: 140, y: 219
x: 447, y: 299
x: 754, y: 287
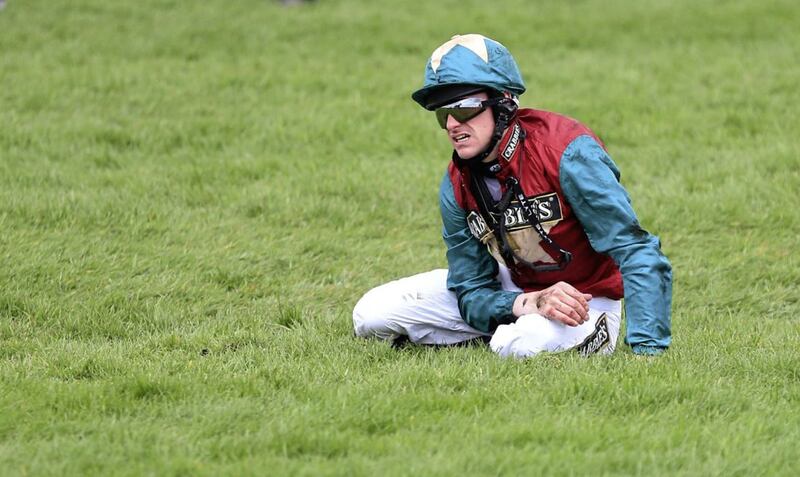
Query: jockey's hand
x: 560, y: 302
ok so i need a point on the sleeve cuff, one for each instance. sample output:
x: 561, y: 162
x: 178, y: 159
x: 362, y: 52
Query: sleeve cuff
x: 508, y: 305
x: 644, y: 350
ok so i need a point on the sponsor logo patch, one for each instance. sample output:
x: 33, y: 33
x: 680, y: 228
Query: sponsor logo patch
x: 477, y: 226
x: 596, y: 341
x: 546, y: 207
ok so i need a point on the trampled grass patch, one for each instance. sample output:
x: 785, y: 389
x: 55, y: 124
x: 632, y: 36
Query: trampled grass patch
x: 193, y: 196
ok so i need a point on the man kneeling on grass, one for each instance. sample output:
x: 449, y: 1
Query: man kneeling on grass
x: 540, y: 235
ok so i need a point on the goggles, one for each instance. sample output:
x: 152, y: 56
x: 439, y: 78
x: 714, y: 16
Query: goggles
x: 463, y: 110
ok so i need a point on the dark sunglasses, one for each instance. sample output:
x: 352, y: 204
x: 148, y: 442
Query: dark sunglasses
x: 463, y: 110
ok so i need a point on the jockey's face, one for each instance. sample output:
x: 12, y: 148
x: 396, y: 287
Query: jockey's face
x: 471, y: 137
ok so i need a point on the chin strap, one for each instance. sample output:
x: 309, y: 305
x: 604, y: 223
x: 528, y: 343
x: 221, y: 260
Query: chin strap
x: 504, y: 110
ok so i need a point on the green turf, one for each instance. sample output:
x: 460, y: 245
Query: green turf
x: 193, y: 196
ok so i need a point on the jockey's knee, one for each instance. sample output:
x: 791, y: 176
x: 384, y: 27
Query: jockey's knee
x: 372, y: 317
x: 530, y: 336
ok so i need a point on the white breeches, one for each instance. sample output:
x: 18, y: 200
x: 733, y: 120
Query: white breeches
x: 422, y: 308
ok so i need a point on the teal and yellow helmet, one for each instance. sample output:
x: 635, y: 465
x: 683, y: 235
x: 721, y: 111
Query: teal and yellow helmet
x: 467, y: 64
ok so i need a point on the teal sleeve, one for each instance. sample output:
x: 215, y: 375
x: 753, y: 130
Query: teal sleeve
x: 590, y: 181
x: 472, y: 271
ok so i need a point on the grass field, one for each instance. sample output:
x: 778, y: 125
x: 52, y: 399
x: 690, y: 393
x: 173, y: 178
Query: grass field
x: 193, y: 196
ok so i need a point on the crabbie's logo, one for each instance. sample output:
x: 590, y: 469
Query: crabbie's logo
x: 596, y: 341
x: 546, y: 207
x: 513, y: 142
x: 477, y: 226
